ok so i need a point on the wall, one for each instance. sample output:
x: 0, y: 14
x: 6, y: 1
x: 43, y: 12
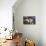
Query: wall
x: 28, y: 8
x: 6, y: 16
x: 6, y: 13
x: 43, y: 22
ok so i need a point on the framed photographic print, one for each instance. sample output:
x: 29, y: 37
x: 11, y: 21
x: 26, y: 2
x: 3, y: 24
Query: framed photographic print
x: 29, y: 20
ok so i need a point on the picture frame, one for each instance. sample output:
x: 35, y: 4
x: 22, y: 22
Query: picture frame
x: 29, y: 20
